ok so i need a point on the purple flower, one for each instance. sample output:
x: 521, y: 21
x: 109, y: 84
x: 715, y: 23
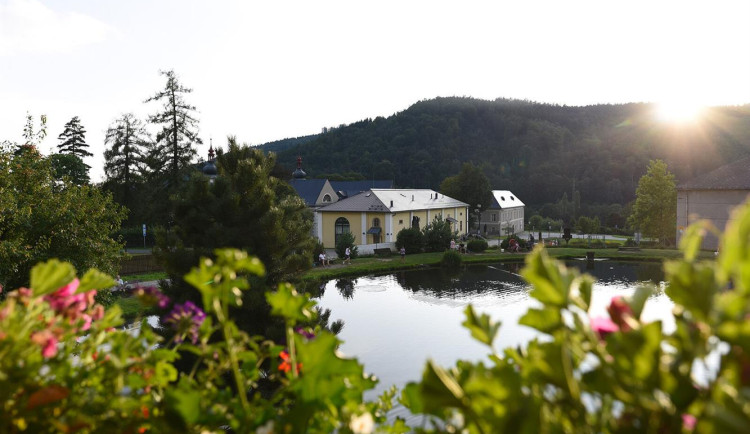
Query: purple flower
x: 304, y: 332
x: 185, y: 319
x: 151, y: 296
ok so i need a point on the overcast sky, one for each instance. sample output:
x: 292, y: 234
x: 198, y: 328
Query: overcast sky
x: 269, y: 70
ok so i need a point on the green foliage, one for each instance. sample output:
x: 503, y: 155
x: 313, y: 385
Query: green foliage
x: 411, y: 239
x: 451, y: 259
x: 436, y: 235
x: 174, y: 146
x: 41, y: 218
x: 476, y: 245
x: 70, y: 167
x: 245, y: 208
x: 621, y: 373
x: 588, y: 225
x: 655, y: 209
x: 346, y: 240
x: 126, y: 140
x: 55, y: 379
x: 471, y: 185
x: 73, y: 140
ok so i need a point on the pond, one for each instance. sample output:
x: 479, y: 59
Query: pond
x: 394, y: 323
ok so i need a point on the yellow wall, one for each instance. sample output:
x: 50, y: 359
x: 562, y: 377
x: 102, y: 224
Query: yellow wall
x: 369, y: 238
x: 355, y: 227
x: 404, y: 225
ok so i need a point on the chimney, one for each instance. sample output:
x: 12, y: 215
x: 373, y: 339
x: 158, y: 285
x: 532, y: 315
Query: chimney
x: 391, y: 204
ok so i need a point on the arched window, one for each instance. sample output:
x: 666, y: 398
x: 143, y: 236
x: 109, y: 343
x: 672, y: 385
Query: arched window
x: 376, y: 222
x: 342, y: 227
x: 326, y: 198
x: 375, y: 232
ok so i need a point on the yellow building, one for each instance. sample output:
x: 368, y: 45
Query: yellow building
x: 375, y: 217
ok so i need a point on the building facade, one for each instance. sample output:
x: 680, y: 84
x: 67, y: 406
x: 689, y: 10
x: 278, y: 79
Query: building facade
x: 712, y: 197
x: 504, y: 216
x: 376, y: 216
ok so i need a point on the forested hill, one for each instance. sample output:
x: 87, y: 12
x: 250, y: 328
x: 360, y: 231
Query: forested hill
x: 539, y: 151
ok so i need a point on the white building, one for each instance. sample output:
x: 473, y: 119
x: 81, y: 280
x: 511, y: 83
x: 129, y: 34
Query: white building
x: 504, y: 216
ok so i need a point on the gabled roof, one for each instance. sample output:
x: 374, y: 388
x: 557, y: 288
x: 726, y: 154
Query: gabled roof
x: 308, y: 189
x: 733, y: 176
x: 351, y: 188
x: 505, y: 199
x: 380, y: 199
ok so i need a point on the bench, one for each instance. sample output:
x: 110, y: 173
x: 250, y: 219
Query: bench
x: 386, y: 251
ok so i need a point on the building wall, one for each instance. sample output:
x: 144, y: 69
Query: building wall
x: 513, y: 217
x: 328, y: 227
x: 713, y: 205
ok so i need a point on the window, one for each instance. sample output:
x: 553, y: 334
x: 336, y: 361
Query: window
x: 401, y: 222
x: 327, y: 198
x: 376, y: 222
x: 342, y: 227
x: 494, y: 217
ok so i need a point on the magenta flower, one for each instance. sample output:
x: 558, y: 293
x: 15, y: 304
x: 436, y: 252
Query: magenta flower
x: 621, y: 313
x: 186, y: 320
x: 304, y: 332
x: 151, y: 296
x: 689, y: 421
x: 603, y: 326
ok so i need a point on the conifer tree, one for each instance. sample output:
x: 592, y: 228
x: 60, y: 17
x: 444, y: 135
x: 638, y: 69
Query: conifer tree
x: 73, y: 139
x: 178, y: 133
x: 127, y: 139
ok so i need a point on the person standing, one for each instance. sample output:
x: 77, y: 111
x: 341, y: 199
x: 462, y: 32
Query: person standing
x: 348, y: 254
x: 403, y: 253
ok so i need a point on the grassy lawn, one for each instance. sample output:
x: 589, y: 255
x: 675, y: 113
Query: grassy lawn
x: 157, y: 275
x: 131, y: 307
x: 370, y: 265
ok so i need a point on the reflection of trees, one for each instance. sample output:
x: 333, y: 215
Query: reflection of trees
x: 608, y: 271
x: 346, y: 288
x: 445, y: 283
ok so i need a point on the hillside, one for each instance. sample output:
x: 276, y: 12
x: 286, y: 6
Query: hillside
x: 539, y: 151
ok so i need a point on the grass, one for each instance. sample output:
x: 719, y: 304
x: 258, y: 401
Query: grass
x: 371, y: 265
x: 131, y: 307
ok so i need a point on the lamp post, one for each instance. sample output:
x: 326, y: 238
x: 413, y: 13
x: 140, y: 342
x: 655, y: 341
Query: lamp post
x: 549, y: 229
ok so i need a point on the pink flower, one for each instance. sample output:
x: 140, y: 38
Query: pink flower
x: 64, y: 297
x: 689, y: 421
x: 47, y: 340
x: 603, y: 326
x: 621, y: 313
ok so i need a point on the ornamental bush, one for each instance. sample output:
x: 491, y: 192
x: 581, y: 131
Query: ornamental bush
x: 477, y: 245
x: 411, y: 239
x: 451, y: 259
x: 346, y: 240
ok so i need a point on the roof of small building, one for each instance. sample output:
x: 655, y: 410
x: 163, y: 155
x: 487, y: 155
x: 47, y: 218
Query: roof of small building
x: 308, y: 189
x: 733, y: 176
x: 505, y: 199
x: 380, y: 199
x: 351, y: 188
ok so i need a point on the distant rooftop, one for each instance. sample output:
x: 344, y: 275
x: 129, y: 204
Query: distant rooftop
x: 733, y: 176
x: 504, y: 199
x: 379, y: 200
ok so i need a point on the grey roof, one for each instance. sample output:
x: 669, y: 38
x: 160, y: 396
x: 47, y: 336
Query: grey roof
x: 308, y: 189
x: 504, y: 199
x: 733, y: 176
x: 351, y: 188
x: 380, y: 200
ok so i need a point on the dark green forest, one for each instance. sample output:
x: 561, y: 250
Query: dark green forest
x: 539, y: 151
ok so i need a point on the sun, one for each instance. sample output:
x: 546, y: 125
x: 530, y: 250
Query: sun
x: 679, y: 110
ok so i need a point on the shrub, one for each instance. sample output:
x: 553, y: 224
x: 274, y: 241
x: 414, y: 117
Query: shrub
x: 451, y: 259
x: 477, y: 245
x: 437, y: 235
x: 346, y: 240
x: 411, y: 239
x: 318, y: 248
x: 504, y: 243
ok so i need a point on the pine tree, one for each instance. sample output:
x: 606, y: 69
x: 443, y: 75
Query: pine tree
x: 179, y: 128
x: 127, y: 138
x: 73, y: 139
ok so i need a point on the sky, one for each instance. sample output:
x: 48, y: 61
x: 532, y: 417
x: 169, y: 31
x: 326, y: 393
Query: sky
x: 264, y: 71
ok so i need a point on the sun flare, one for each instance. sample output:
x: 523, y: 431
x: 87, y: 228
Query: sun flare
x: 680, y: 111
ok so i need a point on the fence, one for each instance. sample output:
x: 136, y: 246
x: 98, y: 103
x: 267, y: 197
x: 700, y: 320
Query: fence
x: 138, y: 264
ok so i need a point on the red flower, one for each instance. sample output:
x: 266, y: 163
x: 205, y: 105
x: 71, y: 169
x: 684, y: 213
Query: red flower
x: 621, y: 313
x: 285, y: 366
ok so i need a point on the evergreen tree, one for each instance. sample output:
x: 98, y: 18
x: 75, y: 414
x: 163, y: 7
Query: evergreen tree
x: 73, y: 139
x: 124, y: 159
x: 178, y: 132
x: 471, y: 185
x: 70, y: 167
x: 655, y: 208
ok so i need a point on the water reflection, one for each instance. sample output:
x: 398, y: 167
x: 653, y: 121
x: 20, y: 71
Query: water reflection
x: 394, y: 323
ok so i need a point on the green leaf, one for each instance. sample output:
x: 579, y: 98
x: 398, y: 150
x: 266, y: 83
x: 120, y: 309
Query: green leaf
x: 550, y: 280
x: 691, y: 240
x: 286, y: 303
x: 95, y: 279
x: 51, y: 276
x: 184, y: 402
x: 545, y: 320
x: 638, y: 299
x: 481, y: 328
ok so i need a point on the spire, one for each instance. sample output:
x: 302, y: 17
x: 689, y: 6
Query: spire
x: 299, y: 173
x: 211, y: 154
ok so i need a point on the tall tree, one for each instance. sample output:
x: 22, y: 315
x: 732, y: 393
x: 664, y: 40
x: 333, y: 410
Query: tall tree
x: 127, y: 139
x: 179, y: 127
x: 471, y: 185
x: 73, y: 139
x: 655, y: 208
x: 70, y: 167
x: 244, y: 207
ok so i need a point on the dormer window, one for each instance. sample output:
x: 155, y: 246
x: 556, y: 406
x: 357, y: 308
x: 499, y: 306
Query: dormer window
x: 326, y: 198
x: 502, y: 198
x: 512, y: 198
